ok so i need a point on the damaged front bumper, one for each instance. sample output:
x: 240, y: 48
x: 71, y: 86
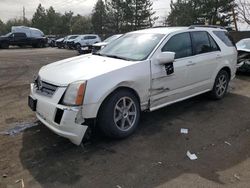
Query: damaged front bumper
x: 63, y: 120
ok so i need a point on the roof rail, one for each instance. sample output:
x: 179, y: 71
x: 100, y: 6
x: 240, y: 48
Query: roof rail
x: 209, y: 26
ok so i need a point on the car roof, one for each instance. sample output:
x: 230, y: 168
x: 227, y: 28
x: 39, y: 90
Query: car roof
x: 168, y: 30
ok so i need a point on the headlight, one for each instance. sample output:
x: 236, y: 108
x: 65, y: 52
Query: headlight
x: 74, y: 94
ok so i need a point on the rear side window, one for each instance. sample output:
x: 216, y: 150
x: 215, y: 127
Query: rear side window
x: 20, y: 35
x: 213, y: 44
x: 180, y: 44
x: 92, y: 37
x: 202, y: 42
x: 89, y: 37
x: 224, y: 37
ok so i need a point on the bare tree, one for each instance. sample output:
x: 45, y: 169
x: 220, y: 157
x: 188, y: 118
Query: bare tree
x: 243, y: 9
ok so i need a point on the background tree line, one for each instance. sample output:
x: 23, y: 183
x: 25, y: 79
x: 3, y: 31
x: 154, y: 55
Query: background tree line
x: 108, y: 17
x: 120, y: 16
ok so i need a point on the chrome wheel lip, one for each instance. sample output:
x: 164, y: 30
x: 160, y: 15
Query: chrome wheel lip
x: 125, y: 113
x: 221, y: 85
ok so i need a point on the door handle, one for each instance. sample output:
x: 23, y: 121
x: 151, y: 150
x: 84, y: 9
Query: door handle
x: 191, y: 63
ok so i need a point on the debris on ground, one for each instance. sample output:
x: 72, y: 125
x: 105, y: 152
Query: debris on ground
x: 184, y: 131
x: 191, y: 156
x: 227, y: 143
x: 118, y: 186
x: 22, y: 182
x: 19, y: 128
x: 5, y: 175
x: 237, y: 177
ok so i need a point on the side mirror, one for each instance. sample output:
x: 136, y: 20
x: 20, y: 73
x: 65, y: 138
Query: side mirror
x: 165, y: 57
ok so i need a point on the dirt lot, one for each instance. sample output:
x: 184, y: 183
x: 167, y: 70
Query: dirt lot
x: 155, y: 156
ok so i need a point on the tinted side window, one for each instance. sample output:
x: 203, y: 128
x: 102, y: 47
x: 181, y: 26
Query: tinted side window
x: 180, y: 44
x: 213, y: 44
x: 92, y: 37
x: 19, y: 35
x: 201, y: 43
x: 224, y: 37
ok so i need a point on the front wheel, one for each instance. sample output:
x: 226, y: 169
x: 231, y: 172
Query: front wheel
x: 119, y: 115
x: 220, y: 85
x: 78, y: 46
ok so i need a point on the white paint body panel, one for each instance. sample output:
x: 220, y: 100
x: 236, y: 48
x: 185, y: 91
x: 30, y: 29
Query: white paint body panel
x: 147, y: 78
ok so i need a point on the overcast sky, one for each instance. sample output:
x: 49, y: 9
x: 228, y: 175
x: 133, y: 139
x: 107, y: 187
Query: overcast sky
x: 14, y: 8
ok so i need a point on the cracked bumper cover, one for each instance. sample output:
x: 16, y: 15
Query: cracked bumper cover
x: 70, y: 125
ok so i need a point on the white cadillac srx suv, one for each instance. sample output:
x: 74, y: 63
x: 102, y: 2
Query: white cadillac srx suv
x: 142, y: 70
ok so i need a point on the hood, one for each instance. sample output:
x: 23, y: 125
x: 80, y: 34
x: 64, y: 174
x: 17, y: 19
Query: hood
x: 83, y: 67
x: 243, y: 49
x: 100, y: 44
x: 59, y: 40
x: 3, y: 37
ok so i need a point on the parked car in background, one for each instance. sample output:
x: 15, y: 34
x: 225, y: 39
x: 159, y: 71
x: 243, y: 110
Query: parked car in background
x: 97, y: 46
x: 23, y: 36
x: 142, y: 70
x: 84, y: 43
x: 67, y: 39
x: 51, y: 40
x: 243, y: 47
x: 59, y: 42
x: 68, y: 43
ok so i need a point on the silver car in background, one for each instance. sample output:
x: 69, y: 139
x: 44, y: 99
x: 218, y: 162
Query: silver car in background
x: 243, y: 48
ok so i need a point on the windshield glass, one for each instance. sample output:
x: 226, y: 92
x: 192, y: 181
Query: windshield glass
x: 112, y: 38
x: 132, y: 46
x: 73, y: 37
x: 245, y: 44
x: 7, y: 35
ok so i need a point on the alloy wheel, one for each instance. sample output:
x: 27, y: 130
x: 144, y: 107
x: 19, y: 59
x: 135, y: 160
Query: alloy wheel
x: 125, y: 113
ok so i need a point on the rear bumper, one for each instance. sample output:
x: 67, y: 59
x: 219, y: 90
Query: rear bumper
x: 63, y: 120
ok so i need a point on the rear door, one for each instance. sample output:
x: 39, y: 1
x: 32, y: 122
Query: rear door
x: 20, y: 39
x: 206, y: 57
x: 92, y: 40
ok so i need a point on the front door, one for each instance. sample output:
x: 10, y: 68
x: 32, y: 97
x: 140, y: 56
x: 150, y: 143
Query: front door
x: 169, y: 87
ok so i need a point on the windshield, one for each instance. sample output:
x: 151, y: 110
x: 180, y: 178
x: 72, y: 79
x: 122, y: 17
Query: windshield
x: 244, y: 44
x: 73, y: 37
x: 7, y: 35
x: 112, y: 38
x: 132, y: 46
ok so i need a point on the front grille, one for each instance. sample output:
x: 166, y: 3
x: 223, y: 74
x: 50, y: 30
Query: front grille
x: 44, y: 88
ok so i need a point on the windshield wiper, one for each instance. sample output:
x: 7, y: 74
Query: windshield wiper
x: 118, y: 57
x: 112, y: 56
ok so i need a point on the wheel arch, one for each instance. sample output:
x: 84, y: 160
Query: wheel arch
x: 117, y: 89
x: 228, y: 70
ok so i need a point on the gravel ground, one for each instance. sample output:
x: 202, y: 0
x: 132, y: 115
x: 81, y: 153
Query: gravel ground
x: 155, y: 156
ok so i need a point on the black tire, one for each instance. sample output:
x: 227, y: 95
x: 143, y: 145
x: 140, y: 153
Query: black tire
x: 220, y: 85
x: 107, y: 115
x: 78, y: 46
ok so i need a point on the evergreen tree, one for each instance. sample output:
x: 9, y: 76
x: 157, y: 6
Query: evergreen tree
x: 52, y: 20
x: 189, y: 12
x: 143, y: 14
x: 39, y: 18
x: 2, y: 28
x: 81, y: 24
x: 99, y: 16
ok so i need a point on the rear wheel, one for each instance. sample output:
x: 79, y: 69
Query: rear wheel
x: 220, y: 85
x: 119, y: 115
